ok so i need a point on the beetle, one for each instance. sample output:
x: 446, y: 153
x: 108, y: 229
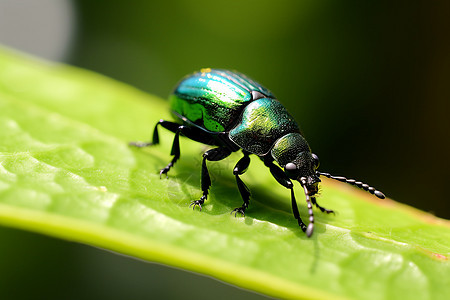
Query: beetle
x: 228, y: 110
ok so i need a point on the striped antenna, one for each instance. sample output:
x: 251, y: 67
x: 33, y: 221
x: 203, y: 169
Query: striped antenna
x: 359, y: 184
x: 310, y: 228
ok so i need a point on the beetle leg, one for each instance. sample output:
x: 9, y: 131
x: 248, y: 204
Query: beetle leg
x: 240, y: 169
x: 215, y: 154
x: 284, y: 180
x: 175, y: 152
x: 172, y: 126
x: 322, y: 209
x: 296, y: 212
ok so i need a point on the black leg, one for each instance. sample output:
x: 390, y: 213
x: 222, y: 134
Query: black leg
x: 322, y: 209
x: 296, y: 212
x: 239, y: 169
x: 172, y: 126
x: 175, y: 152
x: 215, y: 154
x: 191, y: 133
x: 284, y: 180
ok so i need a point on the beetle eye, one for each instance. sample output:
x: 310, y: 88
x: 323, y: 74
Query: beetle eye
x: 290, y: 167
x: 316, y: 160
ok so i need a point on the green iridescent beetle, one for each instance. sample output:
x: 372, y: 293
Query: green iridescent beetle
x: 231, y: 111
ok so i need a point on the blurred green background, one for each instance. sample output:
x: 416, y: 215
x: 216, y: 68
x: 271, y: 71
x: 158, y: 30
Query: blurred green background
x: 367, y: 81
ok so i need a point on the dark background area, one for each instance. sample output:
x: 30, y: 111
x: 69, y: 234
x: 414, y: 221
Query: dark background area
x: 367, y: 81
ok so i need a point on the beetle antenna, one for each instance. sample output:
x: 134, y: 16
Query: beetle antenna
x: 310, y: 229
x: 359, y: 184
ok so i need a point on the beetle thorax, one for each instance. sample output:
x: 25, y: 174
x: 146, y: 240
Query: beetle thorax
x: 262, y: 123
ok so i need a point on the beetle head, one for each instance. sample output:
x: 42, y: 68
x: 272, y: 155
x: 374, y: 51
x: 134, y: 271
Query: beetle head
x: 303, y: 168
x: 292, y: 152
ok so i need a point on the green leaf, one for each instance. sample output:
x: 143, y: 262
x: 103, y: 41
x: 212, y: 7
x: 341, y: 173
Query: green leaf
x: 66, y: 171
